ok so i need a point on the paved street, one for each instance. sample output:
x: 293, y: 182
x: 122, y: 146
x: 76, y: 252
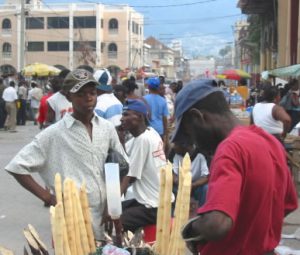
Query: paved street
x: 18, y: 207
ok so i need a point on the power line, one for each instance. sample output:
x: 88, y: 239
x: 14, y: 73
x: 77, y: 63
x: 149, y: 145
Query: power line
x: 156, y: 6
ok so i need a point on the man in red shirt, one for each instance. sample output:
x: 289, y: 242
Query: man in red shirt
x: 250, y: 189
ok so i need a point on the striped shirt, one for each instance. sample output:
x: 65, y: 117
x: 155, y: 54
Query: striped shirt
x: 109, y: 108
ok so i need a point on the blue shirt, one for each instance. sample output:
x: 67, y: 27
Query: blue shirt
x: 159, y: 109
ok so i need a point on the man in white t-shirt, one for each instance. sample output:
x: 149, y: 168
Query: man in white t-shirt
x: 10, y: 97
x: 58, y: 104
x: 108, y: 106
x: 146, y: 157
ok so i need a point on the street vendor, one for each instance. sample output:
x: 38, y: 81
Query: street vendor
x: 146, y: 157
x: 76, y: 147
x: 250, y: 186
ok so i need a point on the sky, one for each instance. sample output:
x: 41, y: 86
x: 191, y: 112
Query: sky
x: 203, y: 26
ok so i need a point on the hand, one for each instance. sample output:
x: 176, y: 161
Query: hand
x: 49, y: 199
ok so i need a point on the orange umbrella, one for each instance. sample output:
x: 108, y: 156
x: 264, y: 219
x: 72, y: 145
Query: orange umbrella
x: 236, y: 74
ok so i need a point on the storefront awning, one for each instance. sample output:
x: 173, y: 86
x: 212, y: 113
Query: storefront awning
x: 288, y: 71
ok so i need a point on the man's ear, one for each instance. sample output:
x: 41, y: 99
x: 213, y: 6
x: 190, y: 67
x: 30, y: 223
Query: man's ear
x: 196, y: 115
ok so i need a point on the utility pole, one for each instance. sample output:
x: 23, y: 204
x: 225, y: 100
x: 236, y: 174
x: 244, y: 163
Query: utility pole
x: 22, y: 36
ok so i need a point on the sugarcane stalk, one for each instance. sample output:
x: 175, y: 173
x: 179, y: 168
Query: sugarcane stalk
x: 33, y: 245
x: 167, y: 210
x: 75, y: 216
x: 59, y: 239
x: 160, y: 212
x: 81, y: 225
x: 52, y: 220
x: 87, y: 218
x: 37, y: 238
x: 69, y: 216
x: 4, y: 251
x: 175, y: 228
x: 184, y: 210
x: 58, y: 188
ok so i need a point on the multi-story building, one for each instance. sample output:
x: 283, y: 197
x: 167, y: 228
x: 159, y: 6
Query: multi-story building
x: 162, y: 58
x: 99, y: 35
x: 279, y: 24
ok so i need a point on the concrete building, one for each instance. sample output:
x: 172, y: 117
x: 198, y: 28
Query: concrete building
x: 162, y: 58
x: 71, y: 34
x: 280, y: 31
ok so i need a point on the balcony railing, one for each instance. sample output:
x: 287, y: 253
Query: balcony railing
x: 112, y: 54
x: 6, y: 31
x: 6, y: 55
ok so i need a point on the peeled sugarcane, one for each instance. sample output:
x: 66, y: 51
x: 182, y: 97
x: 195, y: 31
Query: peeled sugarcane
x: 69, y: 217
x: 4, y: 251
x: 75, y: 216
x: 87, y: 217
x: 167, y: 210
x: 59, y: 229
x: 40, y: 243
x: 175, y: 227
x: 160, y: 212
x: 184, y: 210
x: 52, y: 221
x: 81, y: 225
x: 182, y: 206
x: 58, y: 188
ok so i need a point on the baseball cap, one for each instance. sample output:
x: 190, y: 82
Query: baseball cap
x: 78, y: 78
x: 189, y: 95
x: 153, y: 83
x: 137, y: 106
x: 104, y: 78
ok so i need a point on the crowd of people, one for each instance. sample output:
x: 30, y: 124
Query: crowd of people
x: 240, y: 177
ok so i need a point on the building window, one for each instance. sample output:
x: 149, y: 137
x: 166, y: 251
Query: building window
x: 35, y: 46
x: 6, y: 24
x: 113, y: 26
x: 85, y: 22
x: 35, y: 23
x: 58, y: 46
x: 102, y: 47
x: 112, y: 50
x: 6, y: 50
x: 102, y: 23
x: 57, y: 22
x: 84, y: 45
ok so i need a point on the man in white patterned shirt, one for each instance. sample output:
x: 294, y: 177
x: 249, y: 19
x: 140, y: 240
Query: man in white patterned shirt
x: 76, y: 147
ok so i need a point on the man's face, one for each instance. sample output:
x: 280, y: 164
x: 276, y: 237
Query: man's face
x: 84, y: 101
x: 201, y: 131
x: 130, y: 120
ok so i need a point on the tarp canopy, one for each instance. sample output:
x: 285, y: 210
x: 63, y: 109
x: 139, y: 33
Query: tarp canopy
x: 291, y: 71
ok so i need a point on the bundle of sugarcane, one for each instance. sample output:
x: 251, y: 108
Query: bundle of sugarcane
x: 71, y: 220
x: 173, y: 243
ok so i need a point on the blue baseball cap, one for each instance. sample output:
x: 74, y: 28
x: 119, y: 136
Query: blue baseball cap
x: 153, y: 83
x: 137, y: 106
x: 189, y: 95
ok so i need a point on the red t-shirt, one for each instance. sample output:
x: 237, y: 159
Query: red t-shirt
x: 43, y: 109
x: 251, y: 183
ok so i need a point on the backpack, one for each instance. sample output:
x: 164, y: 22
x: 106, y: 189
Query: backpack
x: 286, y: 101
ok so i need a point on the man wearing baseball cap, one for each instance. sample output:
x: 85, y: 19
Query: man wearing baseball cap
x: 158, y: 108
x: 146, y: 157
x: 108, y: 106
x: 250, y: 187
x: 76, y: 147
